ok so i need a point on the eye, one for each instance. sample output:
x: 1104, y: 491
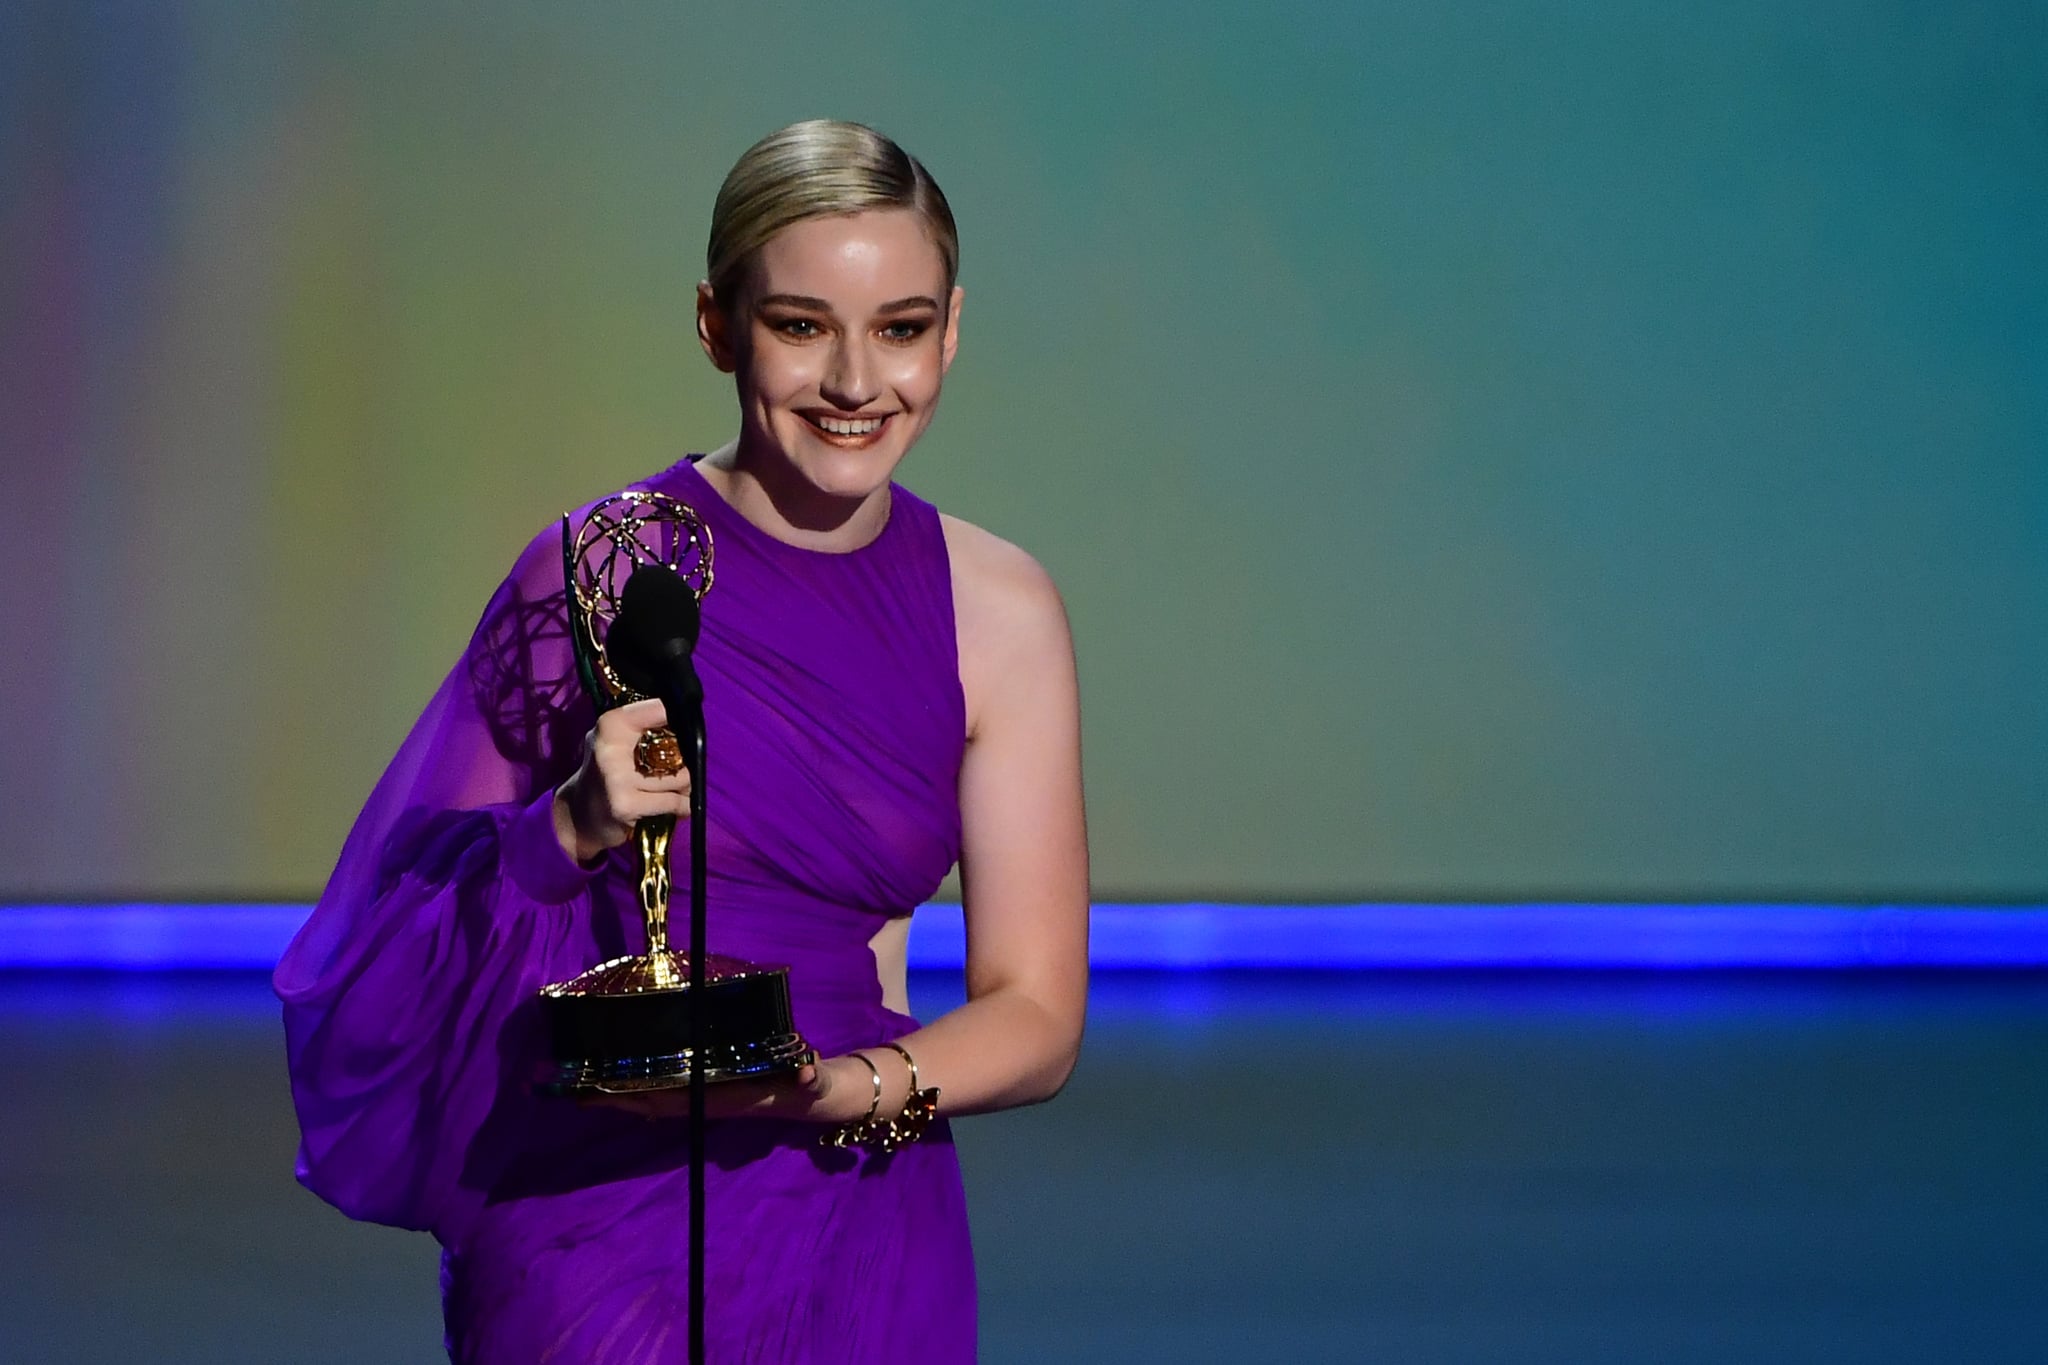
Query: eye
x: 905, y: 331
x: 798, y: 329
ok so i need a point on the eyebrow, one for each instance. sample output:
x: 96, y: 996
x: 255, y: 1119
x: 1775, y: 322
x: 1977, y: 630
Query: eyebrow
x: 817, y: 305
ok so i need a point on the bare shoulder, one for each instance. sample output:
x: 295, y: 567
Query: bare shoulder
x: 990, y: 575
x: 1010, y: 621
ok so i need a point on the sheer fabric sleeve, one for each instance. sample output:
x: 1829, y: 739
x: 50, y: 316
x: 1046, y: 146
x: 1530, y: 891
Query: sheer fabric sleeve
x: 450, y: 905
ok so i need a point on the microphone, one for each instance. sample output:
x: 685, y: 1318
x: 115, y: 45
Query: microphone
x: 650, y: 641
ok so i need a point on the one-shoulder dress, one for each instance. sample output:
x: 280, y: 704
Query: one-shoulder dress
x: 835, y: 727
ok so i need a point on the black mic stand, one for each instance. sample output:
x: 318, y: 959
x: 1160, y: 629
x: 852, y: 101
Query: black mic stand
x: 694, y: 738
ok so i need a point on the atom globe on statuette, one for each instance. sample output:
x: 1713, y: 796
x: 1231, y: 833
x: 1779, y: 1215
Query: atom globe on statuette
x: 635, y: 571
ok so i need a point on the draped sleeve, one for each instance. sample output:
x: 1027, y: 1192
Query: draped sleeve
x: 408, y: 993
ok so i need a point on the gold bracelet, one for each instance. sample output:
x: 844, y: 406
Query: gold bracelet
x: 920, y: 1107
x: 860, y: 1129
x: 907, y: 1127
x: 908, y: 1060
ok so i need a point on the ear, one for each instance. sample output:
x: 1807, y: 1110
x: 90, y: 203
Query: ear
x: 952, y: 338
x: 714, y: 329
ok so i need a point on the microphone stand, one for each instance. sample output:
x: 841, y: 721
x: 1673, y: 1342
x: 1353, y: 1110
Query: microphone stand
x: 698, y: 952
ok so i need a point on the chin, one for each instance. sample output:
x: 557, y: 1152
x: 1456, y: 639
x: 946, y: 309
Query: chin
x: 854, y: 473
x: 849, y: 479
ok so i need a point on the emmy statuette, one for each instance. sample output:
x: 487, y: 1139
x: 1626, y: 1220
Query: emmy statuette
x: 625, y: 1026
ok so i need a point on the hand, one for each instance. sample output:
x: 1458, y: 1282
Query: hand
x: 825, y: 1092
x: 596, y: 808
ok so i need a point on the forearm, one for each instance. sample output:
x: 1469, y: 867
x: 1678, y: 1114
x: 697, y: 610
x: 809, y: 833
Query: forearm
x: 1001, y: 1049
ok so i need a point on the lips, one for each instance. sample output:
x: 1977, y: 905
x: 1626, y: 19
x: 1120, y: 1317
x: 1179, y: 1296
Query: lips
x: 847, y: 431
x: 849, y: 426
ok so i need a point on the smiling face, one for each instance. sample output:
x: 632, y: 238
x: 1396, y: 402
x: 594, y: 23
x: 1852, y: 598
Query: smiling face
x: 838, y: 341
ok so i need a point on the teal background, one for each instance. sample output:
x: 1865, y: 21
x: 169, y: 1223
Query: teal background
x: 1493, y: 450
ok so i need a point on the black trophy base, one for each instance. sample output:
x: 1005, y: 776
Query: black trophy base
x: 624, y: 1026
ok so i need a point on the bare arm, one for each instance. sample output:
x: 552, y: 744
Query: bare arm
x: 1024, y: 851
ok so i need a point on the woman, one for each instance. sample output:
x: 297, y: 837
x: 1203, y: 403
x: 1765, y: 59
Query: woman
x: 887, y: 690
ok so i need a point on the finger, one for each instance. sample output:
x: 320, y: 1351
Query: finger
x: 616, y: 759
x: 738, y: 1099
x: 635, y: 717
x: 623, y: 728
x: 665, y: 793
x: 633, y: 804
x: 613, y: 753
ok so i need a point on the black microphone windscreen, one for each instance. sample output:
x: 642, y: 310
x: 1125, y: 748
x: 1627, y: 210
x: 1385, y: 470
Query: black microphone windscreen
x: 656, y: 627
x: 659, y: 605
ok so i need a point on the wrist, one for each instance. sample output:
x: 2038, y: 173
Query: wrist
x: 849, y: 1090
x: 569, y: 829
x: 875, y: 1129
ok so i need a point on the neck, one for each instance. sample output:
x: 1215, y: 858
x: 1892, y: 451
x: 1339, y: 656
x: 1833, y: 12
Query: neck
x: 774, y: 496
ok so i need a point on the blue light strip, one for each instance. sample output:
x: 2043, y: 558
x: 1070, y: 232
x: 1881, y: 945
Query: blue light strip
x: 146, y: 937
x: 1198, y: 937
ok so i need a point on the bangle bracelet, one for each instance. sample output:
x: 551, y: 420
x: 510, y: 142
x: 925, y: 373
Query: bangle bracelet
x: 907, y: 1127
x: 908, y: 1060
x: 882, y: 1136
x: 846, y: 1134
x: 920, y: 1106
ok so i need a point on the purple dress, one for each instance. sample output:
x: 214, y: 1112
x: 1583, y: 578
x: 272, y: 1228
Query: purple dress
x: 836, y: 728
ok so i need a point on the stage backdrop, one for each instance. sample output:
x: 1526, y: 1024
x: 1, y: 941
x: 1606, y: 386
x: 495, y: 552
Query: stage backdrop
x: 1588, y: 450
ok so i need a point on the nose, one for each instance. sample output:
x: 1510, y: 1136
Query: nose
x: 849, y: 380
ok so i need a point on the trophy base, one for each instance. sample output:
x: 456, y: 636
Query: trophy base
x: 623, y: 1027
x: 636, y: 1075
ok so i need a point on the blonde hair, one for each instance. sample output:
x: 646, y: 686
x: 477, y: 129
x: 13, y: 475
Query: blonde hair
x: 817, y: 169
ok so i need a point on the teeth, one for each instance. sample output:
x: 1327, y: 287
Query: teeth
x: 840, y: 427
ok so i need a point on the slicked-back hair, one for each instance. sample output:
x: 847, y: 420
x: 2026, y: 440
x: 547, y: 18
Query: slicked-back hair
x: 816, y: 169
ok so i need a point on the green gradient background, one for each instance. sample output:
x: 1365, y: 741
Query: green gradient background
x: 1489, y: 450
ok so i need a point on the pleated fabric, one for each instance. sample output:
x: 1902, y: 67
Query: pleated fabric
x: 835, y: 729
